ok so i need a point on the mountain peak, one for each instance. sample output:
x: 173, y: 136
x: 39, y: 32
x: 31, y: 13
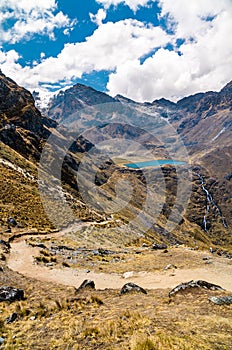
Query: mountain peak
x: 75, y: 98
x: 122, y: 98
x: 163, y: 102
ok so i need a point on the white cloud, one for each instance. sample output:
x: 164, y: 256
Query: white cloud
x: 99, y: 17
x: 8, y: 61
x: 111, y: 45
x: 133, y: 4
x: 205, y: 61
x: 188, y: 16
x: 30, y: 17
x: 201, y: 63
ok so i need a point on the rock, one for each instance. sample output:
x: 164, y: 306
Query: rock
x: 86, y: 284
x: 194, y: 284
x: 228, y: 177
x: 11, y: 318
x: 5, y: 243
x: 212, y: 250
x: 170, y: 266
x: 157, y: 246
x: 1, y: 340
x: 49, y: 264
x: 41, y: 245
x: 32, y: 318
x: 11, y: 294
x: 144, y: 245
x: 2, y: 257
x: 65, y: 247
x: 132, y: 287
x: 102, y: 252
x: 208, y: 262
x: 222, y: 300
x: 12, y: 221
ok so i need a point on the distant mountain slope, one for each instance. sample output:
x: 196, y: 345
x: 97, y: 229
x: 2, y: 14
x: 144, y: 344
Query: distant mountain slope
x: 203, y: 121
x: 73, y: 99
x: 24, y: 132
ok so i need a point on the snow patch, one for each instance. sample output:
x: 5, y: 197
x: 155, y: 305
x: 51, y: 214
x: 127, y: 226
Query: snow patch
x: 221, y: 132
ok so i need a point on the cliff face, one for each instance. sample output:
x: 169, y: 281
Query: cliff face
x: 22, y: 127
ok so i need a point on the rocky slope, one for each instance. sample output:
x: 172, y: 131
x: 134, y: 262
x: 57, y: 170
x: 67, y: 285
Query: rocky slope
x: 76, y: 98
x: 202, y: 121
x: 24, y: 132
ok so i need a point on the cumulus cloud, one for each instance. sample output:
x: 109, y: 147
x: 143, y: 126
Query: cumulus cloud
x: 99, y: 17
x: 29, y: 18
x: 133, y: 4
x: 189, y: 18
x: 201, y: 63
x: 110, y: 46
x: 142, y: 65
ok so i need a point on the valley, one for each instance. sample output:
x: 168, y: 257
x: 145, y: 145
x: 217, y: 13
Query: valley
x: 114, y: 191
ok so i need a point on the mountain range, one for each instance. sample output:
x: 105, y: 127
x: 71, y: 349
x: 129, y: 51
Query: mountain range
x: 203, y: 123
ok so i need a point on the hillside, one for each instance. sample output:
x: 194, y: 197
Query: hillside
x: 71, y: 213
x: 202, y: 122
x: 25, y: 132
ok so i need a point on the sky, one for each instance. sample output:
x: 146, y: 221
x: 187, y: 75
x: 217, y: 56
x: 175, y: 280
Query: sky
x: 141, y: 49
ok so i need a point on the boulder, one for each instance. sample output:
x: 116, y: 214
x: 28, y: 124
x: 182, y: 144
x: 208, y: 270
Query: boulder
x: 194, y: 284
x: 86, y: 284
x: 11, y: 294
x: 227, y: 300
x: 132, y: 287
x: 157, y: 246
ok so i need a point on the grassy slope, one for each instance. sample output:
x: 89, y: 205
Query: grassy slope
x: 106, y: 320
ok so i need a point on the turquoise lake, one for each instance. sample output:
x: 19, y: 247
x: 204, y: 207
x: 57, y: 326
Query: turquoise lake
x: 154, y: 163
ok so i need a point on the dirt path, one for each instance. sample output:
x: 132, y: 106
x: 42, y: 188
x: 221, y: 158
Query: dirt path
x: 21, y: 260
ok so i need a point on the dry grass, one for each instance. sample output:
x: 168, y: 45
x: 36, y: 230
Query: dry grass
x: 55, y: 317
x: 131, y: 258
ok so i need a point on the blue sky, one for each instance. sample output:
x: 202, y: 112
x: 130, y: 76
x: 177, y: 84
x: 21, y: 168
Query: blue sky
x: 141, y: 49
